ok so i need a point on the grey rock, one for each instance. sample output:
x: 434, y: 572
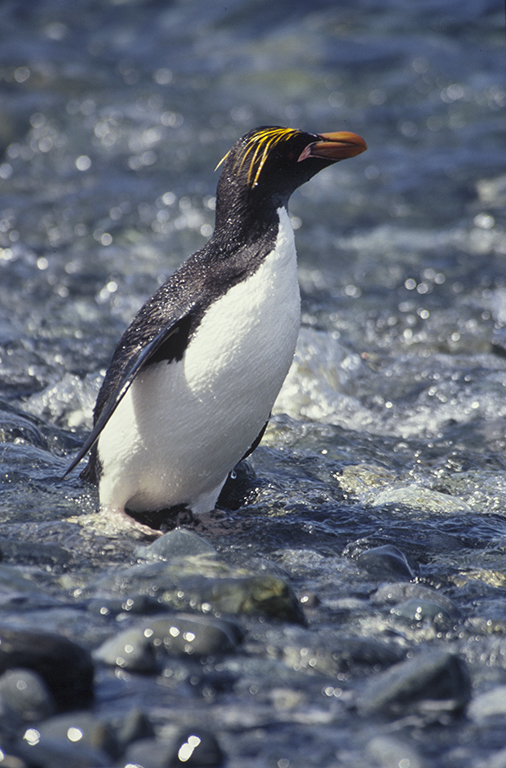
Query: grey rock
x: 385, y: 562
x: 437, y: 681
x: 10, y: 721
x: 418, y: 497
x: 191, y: 747
x: 196, y: 747
x: 66, y: 668
x: 267, y: 596
x: 148, y: 753
x: 176, y: 543
x: 387, y: 752
x: 489, y: 704
x: 204, y: 583
x: 12, y: 580
x: 497, y: 760
x: 132, y: 604
x: 53, y: 753
x: 33, y: 553
x: 78, y: 730
x: 421, y: 611
x: 27, y: 693
x: 134, y: 726
x: 401, y: 591
x: 10, y: 760
x: 135, y: 649
x: 344, y: 655
x: 131, y: 650
x: 185, y: 634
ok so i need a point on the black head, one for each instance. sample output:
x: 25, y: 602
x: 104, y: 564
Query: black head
x: 266, y: 165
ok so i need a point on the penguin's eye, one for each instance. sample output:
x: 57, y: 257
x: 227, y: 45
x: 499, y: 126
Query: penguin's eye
x: 291, y: 155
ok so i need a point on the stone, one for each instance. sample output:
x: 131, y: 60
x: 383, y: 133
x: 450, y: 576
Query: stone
x: 421, y: 611
x: 134, y: 726
x: 66, y: 668
x: 27, y: 693
x: 402, y: 591
x: 418, y: 497
x: 186, y: 634
x: 59, y: 754
x: 148, y: 753
x: 10, y: 721
x: 384, y: 562
x: 196, y: 747
x: 267, y: 596
x: 432, y: 681
x: 343, y: 655
x: 79, y: 729
x: 176, y: 543
x: 131, y: 650
x: 489, y: 704
x: 388, y: 751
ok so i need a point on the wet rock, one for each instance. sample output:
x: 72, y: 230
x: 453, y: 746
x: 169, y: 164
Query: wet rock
x: 148, y: 753
x: 182, y: 635
x: 343, y: 655
x: 138, y: 649
x: 418, y: 497
x: 491, y: 577
x: 202, y: 583
x: 176, y: 543
x: 10, y: 760
x: 153, y: 577
x: 402, y: 591
x: 130, y: 649
x: 59, y: 754
x: 66, y: 668
x: 421, y: 611
x: 26, y: 692
x: 492, y: 192
x: 497, y: 760
x: 385, y: 562
x: 134, y: 726
x: 258, y: 595
x: 79, y: 729
x: 359, y: 479
x: 10, y: 721
x: 351, y: 653
x: 387, y: 751
x: 33, y: 553
x: 437, y: 681
x: 489, y: 704
x: 195, y: 747
x: 115, y: 606
x: 11, y: 580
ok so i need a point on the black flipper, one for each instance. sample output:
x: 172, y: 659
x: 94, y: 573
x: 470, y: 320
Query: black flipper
x: 168, y: 344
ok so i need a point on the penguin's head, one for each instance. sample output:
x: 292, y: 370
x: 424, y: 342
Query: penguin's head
x: 271, y: 161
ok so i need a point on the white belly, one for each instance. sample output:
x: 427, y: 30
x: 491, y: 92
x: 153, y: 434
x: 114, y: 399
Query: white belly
x: 182, y: 426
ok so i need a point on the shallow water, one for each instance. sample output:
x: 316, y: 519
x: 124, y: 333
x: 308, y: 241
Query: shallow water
x: 390, y: 429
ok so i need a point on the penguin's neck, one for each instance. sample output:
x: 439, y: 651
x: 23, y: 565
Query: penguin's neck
x: 247, y: 218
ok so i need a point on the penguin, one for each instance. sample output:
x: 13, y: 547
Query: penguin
x: 192, y: 382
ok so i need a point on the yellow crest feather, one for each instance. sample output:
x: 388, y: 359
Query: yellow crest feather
x: 255, y: 151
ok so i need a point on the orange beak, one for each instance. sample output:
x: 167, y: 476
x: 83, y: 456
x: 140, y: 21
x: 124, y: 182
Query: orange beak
x: 335, y: 146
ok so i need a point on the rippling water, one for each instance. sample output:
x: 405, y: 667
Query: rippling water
x: 390, y: 428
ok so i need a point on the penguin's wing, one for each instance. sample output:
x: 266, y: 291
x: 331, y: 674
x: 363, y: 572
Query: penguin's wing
x: 168, y: 344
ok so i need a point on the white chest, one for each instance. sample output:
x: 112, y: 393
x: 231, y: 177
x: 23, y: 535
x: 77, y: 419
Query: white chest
x: 248, y: 336
x: 183, y: 426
